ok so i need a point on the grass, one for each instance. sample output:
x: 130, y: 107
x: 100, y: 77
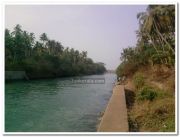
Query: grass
x: 138, y: 80
x: 154, y: 116
x: 153, y: 109
x: 147, y: 93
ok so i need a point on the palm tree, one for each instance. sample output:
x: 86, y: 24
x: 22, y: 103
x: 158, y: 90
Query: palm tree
x: 59, y: 48
x: 44, y: 39
x: 84, y: 54
x: 17, y: 30
x: 152, y: 24
x: 38, y: 48
x: 157, y: 26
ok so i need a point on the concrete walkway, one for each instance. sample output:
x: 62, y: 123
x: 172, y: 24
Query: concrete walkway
x: 115, y: 116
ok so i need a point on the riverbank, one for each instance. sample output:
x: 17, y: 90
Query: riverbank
x: 144, y: 102
x: 115, y: 116
x: 22, y: 75
x: 150, y: 98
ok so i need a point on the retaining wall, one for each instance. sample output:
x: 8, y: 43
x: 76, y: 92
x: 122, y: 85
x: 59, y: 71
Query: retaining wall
x: 115, y: 117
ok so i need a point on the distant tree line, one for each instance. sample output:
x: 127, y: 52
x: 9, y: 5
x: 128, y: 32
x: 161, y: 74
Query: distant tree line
x: 45, y: 58
x: 156, y: 40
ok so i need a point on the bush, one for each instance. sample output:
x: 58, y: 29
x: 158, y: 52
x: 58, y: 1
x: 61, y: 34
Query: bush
x: 147, y: 93
x: 138, y: 80
x: 126, y: 68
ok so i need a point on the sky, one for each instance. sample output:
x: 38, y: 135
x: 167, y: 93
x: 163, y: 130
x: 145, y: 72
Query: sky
x: 101, y: 30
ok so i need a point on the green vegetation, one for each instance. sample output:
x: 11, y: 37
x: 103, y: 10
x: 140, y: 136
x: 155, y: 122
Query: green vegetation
x: 45, y: 58
x: 151, y: 67
x: 154, y: 106
x: 138, y: 80
x: 146, y: 93
x: 157, y: 115
x: 156, y: 40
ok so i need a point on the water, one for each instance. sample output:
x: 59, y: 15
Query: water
x: 56, y: 105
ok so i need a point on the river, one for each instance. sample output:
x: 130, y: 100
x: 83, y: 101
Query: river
x: 56, y: 105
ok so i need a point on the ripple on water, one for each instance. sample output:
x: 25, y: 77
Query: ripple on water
x: 56, y: 105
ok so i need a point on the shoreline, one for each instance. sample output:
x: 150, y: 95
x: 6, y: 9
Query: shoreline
x: 25, y: 77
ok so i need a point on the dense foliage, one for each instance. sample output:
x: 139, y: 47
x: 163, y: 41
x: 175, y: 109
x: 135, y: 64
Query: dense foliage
x: 46, y: 57
x: 156, y: 40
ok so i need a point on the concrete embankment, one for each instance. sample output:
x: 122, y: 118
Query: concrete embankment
x: 115, y: 117
x: 15, y: 75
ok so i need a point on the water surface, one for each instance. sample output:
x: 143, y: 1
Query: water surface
x: 56, y: 105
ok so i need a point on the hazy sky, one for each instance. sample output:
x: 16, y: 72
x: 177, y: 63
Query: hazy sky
x: 102, y: 31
